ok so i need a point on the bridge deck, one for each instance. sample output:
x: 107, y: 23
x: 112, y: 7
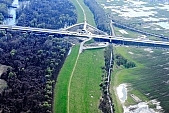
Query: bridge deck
x: 70, y: 33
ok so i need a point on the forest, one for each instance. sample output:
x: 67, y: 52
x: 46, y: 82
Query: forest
x: 53, y: 14
x: 33, y: 62
x: 30, y: 62
x: 100, y: 16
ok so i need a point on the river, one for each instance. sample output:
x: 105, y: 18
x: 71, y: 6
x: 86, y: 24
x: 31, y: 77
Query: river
x: 12, y: 11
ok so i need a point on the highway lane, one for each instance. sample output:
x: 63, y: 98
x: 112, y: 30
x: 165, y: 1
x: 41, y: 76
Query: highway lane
x: 82, y: 44
x: 70, y: 33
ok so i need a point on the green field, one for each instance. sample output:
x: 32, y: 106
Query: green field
x: 60, y: 97
x: 150, y: 75
x: 131, y: 34
x: 89, y: 15
x: 80, y: 15
x: 85, y: 91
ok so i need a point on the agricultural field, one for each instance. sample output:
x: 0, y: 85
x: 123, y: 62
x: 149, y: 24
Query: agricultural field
x: 148, y: 80
x: 84, y: 90
x: 135, y: 12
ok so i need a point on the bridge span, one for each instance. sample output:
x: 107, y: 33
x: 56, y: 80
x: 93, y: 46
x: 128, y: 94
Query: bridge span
x: 71, y: 33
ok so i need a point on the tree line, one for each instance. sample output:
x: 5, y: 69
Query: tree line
x: 105, y: 105
x: 53, y: 14
x: 120, y: 60
x: 100, y: 16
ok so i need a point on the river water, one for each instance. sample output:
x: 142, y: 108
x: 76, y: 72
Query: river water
x: 12, y: 11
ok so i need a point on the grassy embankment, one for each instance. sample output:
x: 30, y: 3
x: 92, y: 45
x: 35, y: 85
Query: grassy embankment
x: 84, y: 89
x: 60, y: 98
x: 85, y: 93
x: 89, y: 15
x: 147, y: 78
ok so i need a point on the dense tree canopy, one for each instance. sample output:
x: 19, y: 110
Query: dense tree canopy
x: 35, y: 61
x: 53, y: 14
x: 100, y: 17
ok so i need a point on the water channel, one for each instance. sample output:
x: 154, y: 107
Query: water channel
x: 12, y: 11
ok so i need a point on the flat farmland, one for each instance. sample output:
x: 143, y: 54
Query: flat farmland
x: 149, y: 79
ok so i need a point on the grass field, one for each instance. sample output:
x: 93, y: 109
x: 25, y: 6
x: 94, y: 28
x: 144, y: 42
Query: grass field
x: 80, y: 15
x: 132, y: 34
x: 150, y: 75
x: 85, y: 93
x: 129, y: 35
x: 89, y: 15
x: 60, y: 97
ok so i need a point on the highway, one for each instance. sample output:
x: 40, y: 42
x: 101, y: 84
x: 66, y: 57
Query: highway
x: 89, y: 35
x: 82, y: 44
x: 70, y: 33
